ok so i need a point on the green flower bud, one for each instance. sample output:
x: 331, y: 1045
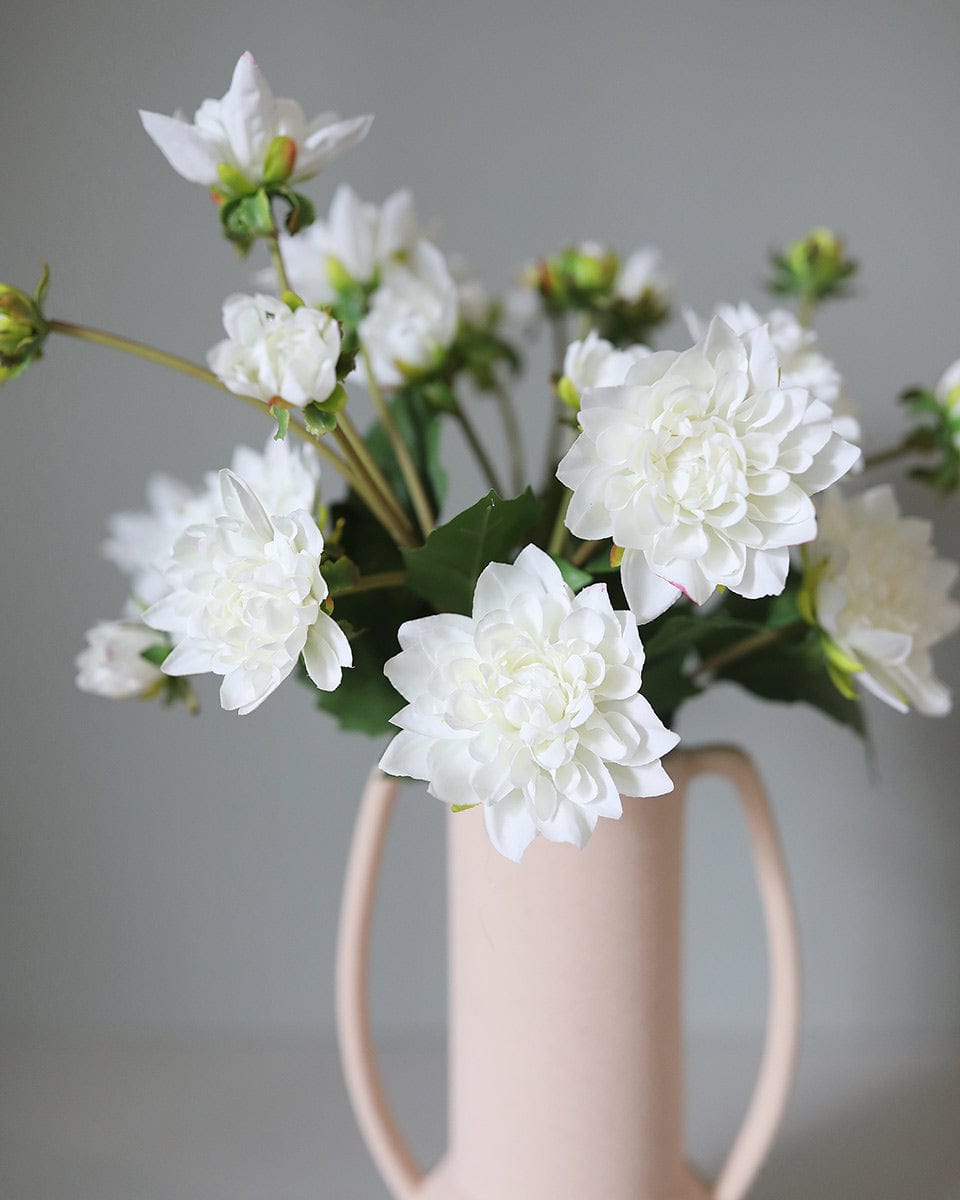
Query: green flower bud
x: 340, y: 278
x: 23, y: 329
x: 568, y: 394
x: 280, y: 159
x: 814, y: 267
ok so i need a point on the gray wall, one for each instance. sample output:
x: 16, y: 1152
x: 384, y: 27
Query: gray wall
x: 160, y: 872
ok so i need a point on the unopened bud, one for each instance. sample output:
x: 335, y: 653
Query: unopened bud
x: 280, y: 159
x: 23, y: 328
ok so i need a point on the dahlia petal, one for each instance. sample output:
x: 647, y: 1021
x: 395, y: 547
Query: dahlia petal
x: 647, y: 594
x: 510, y: 825
x: 407, y: 755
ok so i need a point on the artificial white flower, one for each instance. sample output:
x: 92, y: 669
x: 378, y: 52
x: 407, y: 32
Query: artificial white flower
x: 237, y: 131
x: 284, y: 476
x: 947, y: 392
x: 412, y: 317
x: 642, y: 275
x: 245, y: 601
x: 112, y: 663
x: 881, y: 594
x: 594, y: 362
x: 802, y: 363
x: 701, y: 466
x: 272, y: 351
x: 530, y: 707
x: 356, y: 238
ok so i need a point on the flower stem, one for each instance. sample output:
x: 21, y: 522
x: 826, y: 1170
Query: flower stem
x: 349, y: 438
x: 479, y: 450
x: 372, y: 583
x: 559, y: 534
x: 558, y: 334
x: 514, y: 435
x: 101, y: 337
x: 805, y: 309
x: 411, y: 477
x: 276, y: 257
x: 747, y: 646
x: 585, y: 552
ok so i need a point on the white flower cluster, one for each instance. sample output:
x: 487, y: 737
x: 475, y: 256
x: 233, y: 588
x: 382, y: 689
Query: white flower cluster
x: 272, y: 351
x: 701, y: 467
x: 230, y: 572
x: 881, y: 595
x: 530, y: 707
x: 415, y: 305
x: 245, y: 601
x: 237, y: 131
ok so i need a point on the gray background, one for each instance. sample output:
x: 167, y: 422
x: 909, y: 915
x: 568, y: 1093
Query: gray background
x: 159, y: 873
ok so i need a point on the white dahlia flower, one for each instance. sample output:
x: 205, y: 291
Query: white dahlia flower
x: 237, y: 131
x: 273, y: 352
x: 112, y: 663
x: 594, y: 362
x: 880, y: 592
x: 701, y: 467
x: 245, y: 601
x: 530, y: 707
x: 642, y: 275
x: 947, y: 392
x: 802, y: 362
x: 357, y: 238
x: 284, y: 476
x: 412, y: 317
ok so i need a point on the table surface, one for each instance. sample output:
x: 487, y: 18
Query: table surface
x: 117, y: 1117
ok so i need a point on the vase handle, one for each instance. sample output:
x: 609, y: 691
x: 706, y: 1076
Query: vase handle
x: 783, y: 1007
x: 357, y: 1052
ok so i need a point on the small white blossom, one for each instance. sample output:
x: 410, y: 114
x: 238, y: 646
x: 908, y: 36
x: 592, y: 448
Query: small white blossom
x: 701, y: 466
x: 286, y: 477
x: 245, y: 601
x: 642, y: 275
x: 530, y: 707
x: 802, y: 363
x: 594, y: 362
x: 237, y: 130
x: 272, y: 351
x: 412, y: 317
x: 947, y: 392
x: 357, y: 238
x: 881, y: 595
x: 112, y: 663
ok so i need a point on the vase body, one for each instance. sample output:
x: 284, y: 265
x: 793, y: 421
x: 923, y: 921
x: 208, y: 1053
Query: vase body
x: 565, y: 1014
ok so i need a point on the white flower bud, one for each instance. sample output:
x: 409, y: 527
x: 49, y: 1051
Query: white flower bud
x: 112, y: 664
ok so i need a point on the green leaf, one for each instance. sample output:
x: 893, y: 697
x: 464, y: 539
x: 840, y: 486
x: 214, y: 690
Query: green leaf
x: 573, y: 577
x: 796, y: 673
x: 282, y: 415
x: 445, y: 570
x: 245, y: 218
x: 339, y: 573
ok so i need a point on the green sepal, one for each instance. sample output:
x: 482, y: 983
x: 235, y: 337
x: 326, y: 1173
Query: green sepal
x: 234, y: 182
x: 336, y: 402
x: 282, y: 414
x: 318, y: 421
x: 292, y: 300
x: 300, y: 209
x: 459, y: 808
x: 43, y: 286
x: 246, y: 218
x: 444, y: 571
x: 280, y: 159
x: 568, y: 394
x: 157, y: 653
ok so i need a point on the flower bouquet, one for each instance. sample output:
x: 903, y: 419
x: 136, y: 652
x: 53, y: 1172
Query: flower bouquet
x: 530, y: 654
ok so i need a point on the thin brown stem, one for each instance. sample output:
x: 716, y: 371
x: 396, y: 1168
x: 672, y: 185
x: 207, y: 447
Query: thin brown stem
x: 748, y: 645
x: 372, y: 583
x: 514, y: 436
x: 350, y: 441
x: 479, y: 450
x: 585, y: 552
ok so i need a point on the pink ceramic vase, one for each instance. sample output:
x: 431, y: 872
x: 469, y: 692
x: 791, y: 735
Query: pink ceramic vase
x: 565, y: 1011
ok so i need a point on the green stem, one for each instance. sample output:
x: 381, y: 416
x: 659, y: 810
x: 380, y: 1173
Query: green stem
x: 514, y: 436
x: 479, y: 450
x: 101, y: 337
x: 354, y: 447
x: 276, y: 257
x: 900, y: 450
x: 411, y: 477
x: 585, y: 552
x: 558, y: 334
x: 558, y: 536
x: 372, y: 583
x: 748, y: 645
x: 805, y: 309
